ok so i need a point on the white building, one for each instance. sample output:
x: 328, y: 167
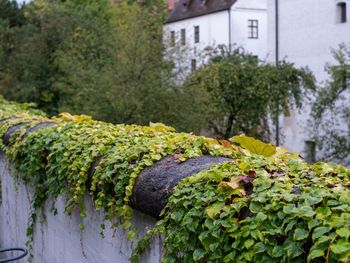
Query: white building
x: 194, y: 25
x: 307, y: 30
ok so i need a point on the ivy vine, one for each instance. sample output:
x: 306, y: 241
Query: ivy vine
x: 257, y: 209
x: 266, y: 205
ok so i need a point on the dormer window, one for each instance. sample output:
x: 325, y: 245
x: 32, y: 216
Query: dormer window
x: 341, y: 12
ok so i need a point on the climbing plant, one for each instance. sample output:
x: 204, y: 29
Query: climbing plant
x: 57, y: 159
x: 257, y: 209
x: 266, y: 205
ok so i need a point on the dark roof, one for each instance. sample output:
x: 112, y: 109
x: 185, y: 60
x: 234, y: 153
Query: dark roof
x: 185, y: 9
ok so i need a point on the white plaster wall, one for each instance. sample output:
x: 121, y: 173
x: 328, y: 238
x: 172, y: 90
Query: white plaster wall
x: 57, y: 240
x: 213, y: 28
x: 308, y: 30
x: 243, y: 11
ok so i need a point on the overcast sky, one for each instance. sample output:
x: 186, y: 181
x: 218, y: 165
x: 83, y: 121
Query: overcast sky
x: 21, y: 1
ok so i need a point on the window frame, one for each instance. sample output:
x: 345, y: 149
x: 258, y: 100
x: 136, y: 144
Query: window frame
x: 342, y: 12
x: 183, y: 36
x: 253, y: 29
x: 172, y: 38
x: 196, y: 34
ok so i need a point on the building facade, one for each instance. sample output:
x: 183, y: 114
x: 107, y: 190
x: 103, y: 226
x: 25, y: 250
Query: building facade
x: 304, y: 32
x: 194, y: 25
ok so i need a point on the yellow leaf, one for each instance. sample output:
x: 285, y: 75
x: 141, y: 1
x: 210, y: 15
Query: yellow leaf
x: 233, y: 185
x: 213, y: 210
x: 158, y: 126
x: 254, y: 146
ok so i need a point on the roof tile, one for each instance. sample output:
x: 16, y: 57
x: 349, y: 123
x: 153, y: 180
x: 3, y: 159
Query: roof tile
x: 185, y: 9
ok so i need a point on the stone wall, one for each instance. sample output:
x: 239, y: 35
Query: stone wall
x: 58, y: 238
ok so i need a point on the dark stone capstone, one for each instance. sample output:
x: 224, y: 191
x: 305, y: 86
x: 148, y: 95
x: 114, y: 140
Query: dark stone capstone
x: 156, y: 183
x: 39, y: 126
x: 12, y: 130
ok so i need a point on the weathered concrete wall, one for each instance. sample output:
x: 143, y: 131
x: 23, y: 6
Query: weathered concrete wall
x: 58, y: 239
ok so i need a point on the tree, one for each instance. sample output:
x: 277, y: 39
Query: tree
x: 91, y: 57
x: 12, y: 13
x: 241, y: 94
x: 331, y: 112
x: 116, y: 67
x: 27, y: 67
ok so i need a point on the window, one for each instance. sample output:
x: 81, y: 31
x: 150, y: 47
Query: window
x: 253, y: 28
x: 341, y: 12
x: 183, y: 36
x: 196, y: 34
x: 193, y: 65
x: 172, y: 38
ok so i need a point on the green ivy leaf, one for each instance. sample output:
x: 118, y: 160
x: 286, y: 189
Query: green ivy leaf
x: 300, y: 234
x: 131, y: 235
x: 289, y: 209
x: 315, y: 253
x: 306, y: 211
x: 292, y: 249
x: 259, y: 247
x: 319, y: 231
x: 255, y: 207
x: 198, y: 254
x: 29, y: 231
x: 323, y: 212
x: 343, y: 232
x: 277, y: 251
x: 177, y: 215
x: 248, y: 243
x: 260, y: 217
x: 341, y: 246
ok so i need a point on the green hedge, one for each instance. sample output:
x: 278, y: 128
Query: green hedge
x: 266, y: 205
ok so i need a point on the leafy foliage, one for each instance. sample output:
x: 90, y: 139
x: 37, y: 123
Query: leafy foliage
x: 91, y: 57
x: 330, y: 112
x: 8, y: 109
x: 58, y: 159
x: 110, y: 61
x: 257, y: 209
x: 239, y: 93
x: 12, y: 13
x: 251, y: 209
